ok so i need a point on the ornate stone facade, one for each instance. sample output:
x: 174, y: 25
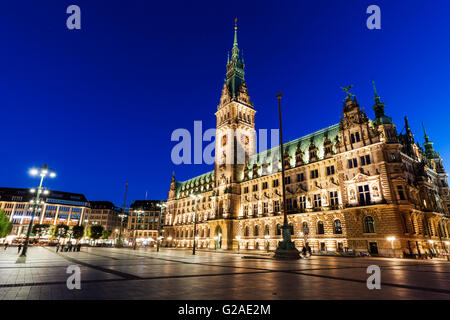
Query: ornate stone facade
x: 348, y: 187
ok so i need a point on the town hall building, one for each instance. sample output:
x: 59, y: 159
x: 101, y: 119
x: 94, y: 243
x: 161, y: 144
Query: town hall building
x: 359, y: 185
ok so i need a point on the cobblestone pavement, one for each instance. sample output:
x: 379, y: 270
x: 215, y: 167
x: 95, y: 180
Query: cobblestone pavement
x: 110, y: 273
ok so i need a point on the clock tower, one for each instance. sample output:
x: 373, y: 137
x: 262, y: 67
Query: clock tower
x: 235, y: 133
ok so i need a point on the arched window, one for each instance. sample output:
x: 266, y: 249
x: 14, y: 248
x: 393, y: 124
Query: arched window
x: 182, y: 233
x: 256, y: 233
x: 305, y: 228
x: 278, y: 229
x: 320, y: 228
x: 369, y: 225
x: 337, y: 226
x: 246, y: 231
x: 267, y: 230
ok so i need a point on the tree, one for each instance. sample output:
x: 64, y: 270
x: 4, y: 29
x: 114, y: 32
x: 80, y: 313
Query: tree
x: 39, y: 229
x: 5, y: 224
x: 59, y: 231
x: 95, y: 232
x: 106, y: 234
x: 78, y: 232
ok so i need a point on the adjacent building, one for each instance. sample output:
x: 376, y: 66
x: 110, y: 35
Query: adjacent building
x: 145, y: 216
x: 358, y: 185
x: 58, y: 208
x: 106, y: 214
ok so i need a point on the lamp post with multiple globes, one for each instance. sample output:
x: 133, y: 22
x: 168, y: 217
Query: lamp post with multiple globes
x: 43, y: 172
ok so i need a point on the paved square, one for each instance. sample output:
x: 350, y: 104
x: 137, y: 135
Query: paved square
x: 110, y: 273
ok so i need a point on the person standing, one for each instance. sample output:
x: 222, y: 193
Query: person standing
x: 19, y: 247
x: 6, y: 245
x: 57, y: 247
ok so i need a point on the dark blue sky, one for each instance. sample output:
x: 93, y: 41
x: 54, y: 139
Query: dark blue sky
x: 99, y: 104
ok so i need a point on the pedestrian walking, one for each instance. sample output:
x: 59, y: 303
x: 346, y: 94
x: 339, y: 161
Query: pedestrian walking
x: 309, y: 250
x: 57, y: 247
x: 19, y: 248
x: 6, y: 245
x: 304, y: 251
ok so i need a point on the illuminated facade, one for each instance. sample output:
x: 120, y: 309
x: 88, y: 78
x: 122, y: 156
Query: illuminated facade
x: 349, y: 187
x: 59, y: 208
x: 143, y: 221
x: 106, y: 214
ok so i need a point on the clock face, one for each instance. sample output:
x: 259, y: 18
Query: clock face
x: 244, y: 140
x: 224, y: 140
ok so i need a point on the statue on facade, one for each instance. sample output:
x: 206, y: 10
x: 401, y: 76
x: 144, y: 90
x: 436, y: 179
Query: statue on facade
x: 347, y: 91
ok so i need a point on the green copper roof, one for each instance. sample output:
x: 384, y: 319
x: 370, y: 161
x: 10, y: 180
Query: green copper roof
x: 428, y: 144
x: 317, y: 138
x: 380, y: 116
x: 201, y: 183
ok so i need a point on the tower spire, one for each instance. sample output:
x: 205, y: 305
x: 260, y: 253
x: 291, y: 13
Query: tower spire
x: 377, y: 97
x: 427, y: 138
x: 235, y: 67
x: 380, y: 116
x: 235, y: 43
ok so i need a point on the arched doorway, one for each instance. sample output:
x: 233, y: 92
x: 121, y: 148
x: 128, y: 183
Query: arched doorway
x: 218, y: 237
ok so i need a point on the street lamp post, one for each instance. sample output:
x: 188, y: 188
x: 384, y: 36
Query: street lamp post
x: 197, y: 198
x: 42, y: 171
x: 286, y: 248
x: 392, y: 239
x: 161, y: 206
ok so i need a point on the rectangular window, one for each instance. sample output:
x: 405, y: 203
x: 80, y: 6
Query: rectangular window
x: 317, y: 201
x: 264, y: 185
x: 255, y: 187
x: 334, y: 198
x: 276, y: 206
x: 300, y: 177
x: 365, y: 160
x: 255, y: 209
x: 352, y: 163
x: 302, y: 201
x: 314, y: 174
x: 287, y: 180
x: 364, y: 194
x: 265, y: 207
x: 330, y: 170
x: 352, y: 138
x: 275, y: 183
x: 357, y: 137
x: 245, y: 189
